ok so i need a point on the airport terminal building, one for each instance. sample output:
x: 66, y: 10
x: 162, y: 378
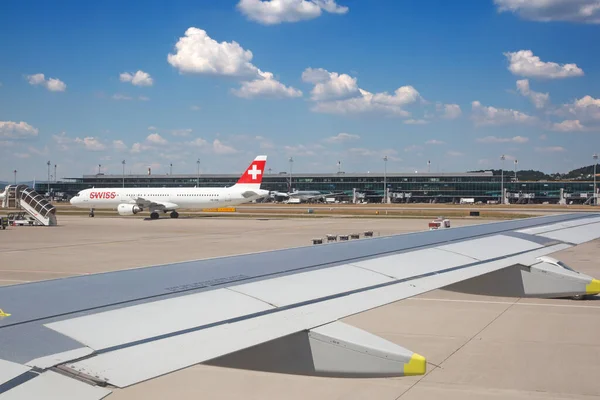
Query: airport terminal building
x: 402, y: 187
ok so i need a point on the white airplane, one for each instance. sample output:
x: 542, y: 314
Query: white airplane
x: 130, y: 201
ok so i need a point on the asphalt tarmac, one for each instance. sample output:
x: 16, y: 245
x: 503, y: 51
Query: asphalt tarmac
x: 478, y: 347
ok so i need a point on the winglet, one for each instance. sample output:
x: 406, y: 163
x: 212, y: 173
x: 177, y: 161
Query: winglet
x: 416, y: 366
x: 254, y: 173
x: 593, y: 287
x: 3, y: 314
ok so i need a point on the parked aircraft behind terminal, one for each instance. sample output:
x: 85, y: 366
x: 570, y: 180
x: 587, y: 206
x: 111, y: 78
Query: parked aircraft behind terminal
x: 130, y: 201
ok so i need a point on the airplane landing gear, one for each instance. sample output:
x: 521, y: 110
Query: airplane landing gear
x: 91, y: 214
x: 174, y: 214
x: 153, y: 215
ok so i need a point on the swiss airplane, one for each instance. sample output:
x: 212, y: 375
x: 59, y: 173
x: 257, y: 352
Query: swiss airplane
x: 130, y: 201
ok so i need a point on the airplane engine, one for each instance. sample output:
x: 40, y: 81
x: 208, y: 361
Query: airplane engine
x: 128, y: 209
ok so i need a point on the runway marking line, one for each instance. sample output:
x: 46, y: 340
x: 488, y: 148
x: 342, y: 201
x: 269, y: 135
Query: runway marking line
x: 505, y: 302
x: 43, y: 272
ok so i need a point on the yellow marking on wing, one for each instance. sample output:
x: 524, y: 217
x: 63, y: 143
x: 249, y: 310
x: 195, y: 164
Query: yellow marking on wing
x: 416, y: 366
x: 593, y: 287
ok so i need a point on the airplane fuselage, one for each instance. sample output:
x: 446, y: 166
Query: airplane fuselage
x: 111, y: 198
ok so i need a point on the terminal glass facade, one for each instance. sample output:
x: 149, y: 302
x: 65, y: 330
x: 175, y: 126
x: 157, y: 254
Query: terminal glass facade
x: 418, y: 187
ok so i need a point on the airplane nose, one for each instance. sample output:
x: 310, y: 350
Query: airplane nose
x: 73, y: 201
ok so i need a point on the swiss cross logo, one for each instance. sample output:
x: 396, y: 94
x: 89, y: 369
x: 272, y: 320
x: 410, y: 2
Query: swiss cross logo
x: 254, y: 172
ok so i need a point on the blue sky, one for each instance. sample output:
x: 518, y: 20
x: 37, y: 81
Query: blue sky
x: 153, y: 83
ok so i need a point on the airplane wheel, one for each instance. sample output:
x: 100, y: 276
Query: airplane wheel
x: 154, y: 215
x: 174, y: 214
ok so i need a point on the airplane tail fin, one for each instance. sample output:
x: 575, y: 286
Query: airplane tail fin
x: 252, y: 177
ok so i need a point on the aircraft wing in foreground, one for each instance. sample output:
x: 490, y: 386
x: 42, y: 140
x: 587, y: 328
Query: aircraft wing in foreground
x: 84, y: 336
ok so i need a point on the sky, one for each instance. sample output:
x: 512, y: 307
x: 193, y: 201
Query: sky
x: 155, y: 83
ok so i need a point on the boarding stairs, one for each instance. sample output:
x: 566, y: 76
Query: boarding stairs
x: 27, y: 199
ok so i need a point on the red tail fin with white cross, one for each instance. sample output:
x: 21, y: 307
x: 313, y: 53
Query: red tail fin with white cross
x: 252, y: 177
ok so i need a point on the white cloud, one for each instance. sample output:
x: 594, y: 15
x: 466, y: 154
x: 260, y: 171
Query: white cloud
x: 485, y: 116
x: 266, y: 86
x: 198, y: 142
x: 90, y: 143
x: 300, y: 150
x: 36, y: 151
x: 524, y: 63
x: 271, y: 12
x: 412, y: 148
x: 335, y: 93
x: 22, y: 155
x: 581, y: 11
x: 198, y: 53
x: 539, y: 100
x: 152, y: 128
x: 52, y: 84
x: 140, y: 78
x: 181, y: 132
x: 569, y: 126
x: 364, y: 152
x: 454, y: 153
x: 434, y: 142
x: 137, y: 148
x: 119, y: 145
x: 264, y: 143
x: 195, y: 108
x: 365, y: 103
x: 450, y: 111
x: 62, y: 141
x: 586, y: 110
x: 416, y: 122
x: 17, y: 130
x: 155, y: 138
x: 221, y: 148
x: 56, y: 85
x: 588, y: 107
x: 330, y: 85
x: 494, y: 139
x: 143, y: 98
x: 551, y: 149
x: 342, y: 137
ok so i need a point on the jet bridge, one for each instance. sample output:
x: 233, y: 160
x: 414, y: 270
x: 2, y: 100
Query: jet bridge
x: 27, y: 199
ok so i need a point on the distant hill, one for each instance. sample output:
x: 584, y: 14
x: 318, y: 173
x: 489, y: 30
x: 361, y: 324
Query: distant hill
x: 523, y: 175
x: 582, y: 173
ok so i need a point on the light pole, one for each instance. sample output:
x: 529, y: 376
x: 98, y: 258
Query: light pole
x: 48, y: 163
x: 291, y: 162
x: 516, y: 162
x: 502, y: 180
x: 428, y: 166
x: 595, y: 157
x: 15, y: 172
x: 385, y: 160
x: 55, y: 177
x: 123, y: 163
x: 99, y: 167
x: 339, y: 167
x: 171, y: 169
x: 198, y: 173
